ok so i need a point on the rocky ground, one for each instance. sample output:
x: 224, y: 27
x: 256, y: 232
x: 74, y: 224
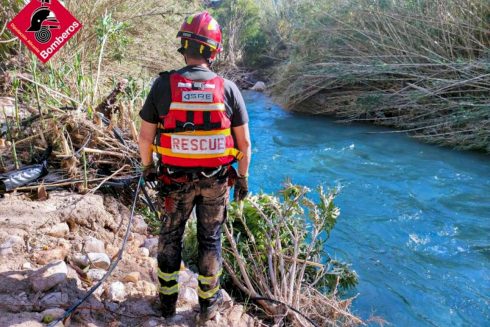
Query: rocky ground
x: 52, y: 252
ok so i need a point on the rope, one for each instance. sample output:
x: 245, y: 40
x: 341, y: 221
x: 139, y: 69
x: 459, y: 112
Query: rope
x: 72, y: 309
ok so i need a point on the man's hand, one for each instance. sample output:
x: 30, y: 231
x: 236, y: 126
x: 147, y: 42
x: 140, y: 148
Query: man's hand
x: 241, y: 188
x: 150, y: 175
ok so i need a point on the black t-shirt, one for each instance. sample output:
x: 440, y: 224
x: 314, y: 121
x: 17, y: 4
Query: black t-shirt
x: 158, y: 101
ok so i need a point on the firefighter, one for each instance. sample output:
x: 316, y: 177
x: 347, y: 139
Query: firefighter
x: 197, y: 124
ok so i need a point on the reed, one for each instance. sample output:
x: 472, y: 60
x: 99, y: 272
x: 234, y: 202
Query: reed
x: 422, y: 67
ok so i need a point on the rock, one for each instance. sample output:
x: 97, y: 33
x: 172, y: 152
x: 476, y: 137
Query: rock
x: 54, y: 300
x: 99, y: 260
x: 146, y: 288
x: 96, y: 274
x: 234, y: 317
x: 140, y: 226
x: 226, y: 296
x: 77, y: 247
x: 57, y: 254
x: 49, y: 276
x: 91, y: 244
x: 112, y: 250
x: 116, y: 292
x: 51, y: 315
x: 80, y: 260
x: 8, y: 246
x: 5, y: 251
x: 185, y: 277
x: 74, y: 277
x: 144, y: 252
x: 247, y: 321
x: 259, y: 86
x: 153, y: 323
x: 152, y: 245
x: 133, y: 277
x: 59, y: 230
x: 189, y: 296
x: 26, y: 266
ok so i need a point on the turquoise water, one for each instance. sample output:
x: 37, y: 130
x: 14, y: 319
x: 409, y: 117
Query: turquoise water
x: 415, y: 218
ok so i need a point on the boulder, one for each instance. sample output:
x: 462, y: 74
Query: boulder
x: 116, y: 292
x: 49, y: 276
x: 259, y: 86
x: 91, y: 244
x: 59, y: 230
x: 99, y: 260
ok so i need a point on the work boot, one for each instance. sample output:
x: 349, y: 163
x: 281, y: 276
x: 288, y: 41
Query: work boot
x: 168, y: 305
x: 209, y: 311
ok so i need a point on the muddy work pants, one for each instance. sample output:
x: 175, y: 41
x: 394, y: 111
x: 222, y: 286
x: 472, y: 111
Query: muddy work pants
x: 210, y: 197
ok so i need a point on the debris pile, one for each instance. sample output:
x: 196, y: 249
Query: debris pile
x: 80, y: 149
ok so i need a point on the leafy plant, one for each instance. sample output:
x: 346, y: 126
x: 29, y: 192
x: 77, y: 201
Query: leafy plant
x: 275, y: 248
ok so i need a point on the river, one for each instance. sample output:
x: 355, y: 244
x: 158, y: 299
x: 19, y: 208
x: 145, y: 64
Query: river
x: 415, y: 218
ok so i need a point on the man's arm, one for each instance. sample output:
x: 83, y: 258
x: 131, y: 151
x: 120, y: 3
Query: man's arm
x: 242, y: 136
x: 145, y: 141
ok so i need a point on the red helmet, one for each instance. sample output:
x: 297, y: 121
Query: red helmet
x: 204, y: 29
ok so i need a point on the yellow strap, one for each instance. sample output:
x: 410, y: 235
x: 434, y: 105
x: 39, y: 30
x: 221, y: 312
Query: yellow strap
x: 209, y: 280
x: 168, y: 276
x: 225, y: 132
x: 169, y: 290
x: 207, y: 294
x: 228, y: 152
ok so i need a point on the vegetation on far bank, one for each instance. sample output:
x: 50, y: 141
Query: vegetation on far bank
x: 420, y: 66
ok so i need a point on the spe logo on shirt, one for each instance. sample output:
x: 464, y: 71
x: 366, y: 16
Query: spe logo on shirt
x: 193, y: 96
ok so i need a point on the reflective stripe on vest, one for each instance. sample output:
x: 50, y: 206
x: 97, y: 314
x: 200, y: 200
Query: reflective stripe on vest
x: 196, y: 132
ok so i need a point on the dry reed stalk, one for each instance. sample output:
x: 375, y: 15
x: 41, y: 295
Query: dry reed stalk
x: 412, y: 69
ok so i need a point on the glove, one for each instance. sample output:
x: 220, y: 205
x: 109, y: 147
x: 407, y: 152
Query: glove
x: 241, y: 188
x: 150, y: 175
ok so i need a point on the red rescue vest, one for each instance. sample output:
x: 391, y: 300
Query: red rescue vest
x: 196, y: 132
